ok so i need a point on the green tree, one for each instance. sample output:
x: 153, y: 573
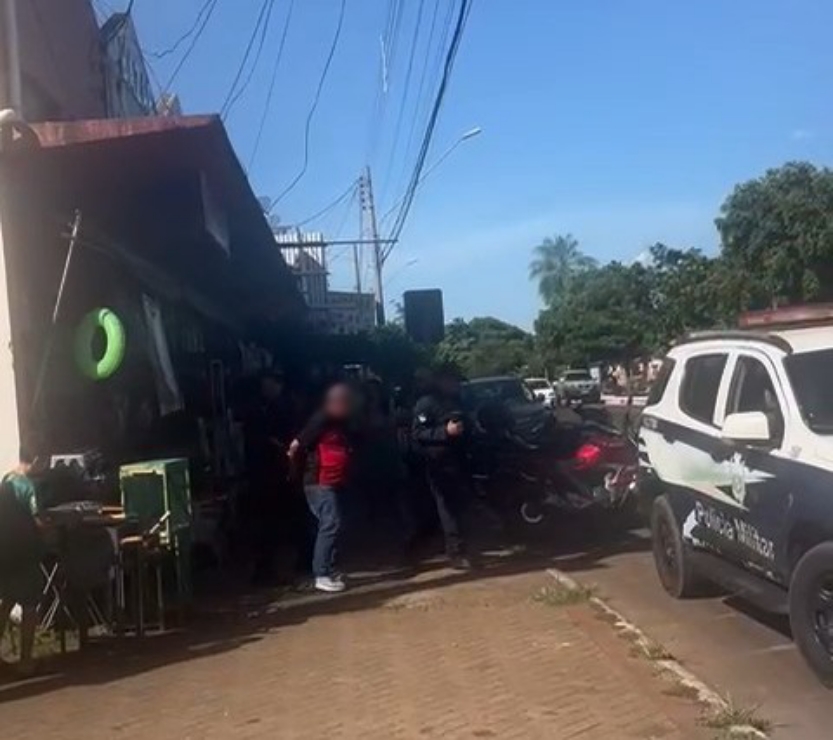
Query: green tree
x: 394, y: 355
x: 777, y: 237
x: 605, y: 317
x: 486, y: 346
x: 688, y: 293
x: 555, y: 264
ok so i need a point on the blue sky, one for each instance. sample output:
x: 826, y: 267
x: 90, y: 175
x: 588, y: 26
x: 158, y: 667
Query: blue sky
x: 624, y: 123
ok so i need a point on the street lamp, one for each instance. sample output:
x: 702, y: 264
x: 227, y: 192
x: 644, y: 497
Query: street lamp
x: 470, y: 134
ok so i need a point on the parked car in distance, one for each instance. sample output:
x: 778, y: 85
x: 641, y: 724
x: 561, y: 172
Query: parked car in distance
x: 542, y: 390
x: 509, y: 398
x: 736, y: 469
x: 578, y: 385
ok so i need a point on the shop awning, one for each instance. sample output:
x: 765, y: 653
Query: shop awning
x: 172, y: 189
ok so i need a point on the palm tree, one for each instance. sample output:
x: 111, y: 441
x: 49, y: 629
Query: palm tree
x: 556, y: 262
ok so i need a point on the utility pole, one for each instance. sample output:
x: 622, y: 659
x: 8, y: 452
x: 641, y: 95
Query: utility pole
x: 370, y: 233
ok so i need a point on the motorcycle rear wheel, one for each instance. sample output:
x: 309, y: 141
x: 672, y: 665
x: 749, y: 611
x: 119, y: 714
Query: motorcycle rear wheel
x: 532, y: 512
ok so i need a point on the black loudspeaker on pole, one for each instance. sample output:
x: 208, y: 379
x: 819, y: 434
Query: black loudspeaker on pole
x: 424, y: 315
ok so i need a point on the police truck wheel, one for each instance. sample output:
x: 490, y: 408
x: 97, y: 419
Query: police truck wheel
x: 811, y: 610
x: 670, y: 555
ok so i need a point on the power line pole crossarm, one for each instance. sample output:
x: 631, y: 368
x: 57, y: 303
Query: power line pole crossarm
x: 370, y: 232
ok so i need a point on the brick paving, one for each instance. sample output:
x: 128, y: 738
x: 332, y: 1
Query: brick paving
x: 438, y: 656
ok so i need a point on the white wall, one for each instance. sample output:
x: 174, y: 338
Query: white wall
x: 9, y: 419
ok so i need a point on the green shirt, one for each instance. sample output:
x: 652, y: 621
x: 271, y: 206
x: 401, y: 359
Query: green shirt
x: 24, y: 491
x: 20, y: 540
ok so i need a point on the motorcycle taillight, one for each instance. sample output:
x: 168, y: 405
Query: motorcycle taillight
x: 587, y: 456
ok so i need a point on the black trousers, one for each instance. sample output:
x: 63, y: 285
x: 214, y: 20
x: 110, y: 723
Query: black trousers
x: 451, y: 490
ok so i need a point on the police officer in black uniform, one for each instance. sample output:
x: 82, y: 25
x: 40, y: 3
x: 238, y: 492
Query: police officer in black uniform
x: 440, y: 434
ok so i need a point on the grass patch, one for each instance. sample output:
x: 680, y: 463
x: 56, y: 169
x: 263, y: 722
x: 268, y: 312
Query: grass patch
x: 603, y: 615
x: 656, y: 651
x: 681, y: 691
x: 561, y: 595
x: 733, y: 715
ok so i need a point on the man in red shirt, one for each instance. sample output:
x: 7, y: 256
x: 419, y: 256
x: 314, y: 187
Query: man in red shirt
x: 325, y: 449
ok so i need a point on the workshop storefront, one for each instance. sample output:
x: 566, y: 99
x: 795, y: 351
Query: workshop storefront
x: 140, y: 272
x: 154, y: 221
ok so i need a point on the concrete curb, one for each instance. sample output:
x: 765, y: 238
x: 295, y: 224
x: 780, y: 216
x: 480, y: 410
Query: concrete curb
x: 670, y: 669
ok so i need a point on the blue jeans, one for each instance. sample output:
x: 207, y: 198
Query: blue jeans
x: 323, y: 502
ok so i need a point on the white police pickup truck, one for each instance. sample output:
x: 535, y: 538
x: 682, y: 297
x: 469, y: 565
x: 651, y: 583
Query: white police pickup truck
x: 736, y: 467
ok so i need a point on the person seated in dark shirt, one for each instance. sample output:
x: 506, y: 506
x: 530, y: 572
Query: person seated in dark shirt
x: 21, y: 548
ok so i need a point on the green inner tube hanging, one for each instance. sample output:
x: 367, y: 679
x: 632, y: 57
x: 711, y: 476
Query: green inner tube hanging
x: 91, y: 361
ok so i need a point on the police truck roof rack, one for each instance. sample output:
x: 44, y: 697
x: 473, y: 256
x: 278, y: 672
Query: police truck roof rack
x: 736, y: 334
x: 788, y: 317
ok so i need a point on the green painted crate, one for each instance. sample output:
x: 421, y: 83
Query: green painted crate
x: 149, y: 491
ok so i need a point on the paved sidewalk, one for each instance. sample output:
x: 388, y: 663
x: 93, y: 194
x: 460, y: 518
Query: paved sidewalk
x: 440, y: 656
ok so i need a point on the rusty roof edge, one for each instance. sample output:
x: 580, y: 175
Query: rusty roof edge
x: 67, y: 133
x: 56, y: 135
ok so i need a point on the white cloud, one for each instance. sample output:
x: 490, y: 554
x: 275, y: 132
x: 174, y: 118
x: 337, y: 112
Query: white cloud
x: 801, y: 134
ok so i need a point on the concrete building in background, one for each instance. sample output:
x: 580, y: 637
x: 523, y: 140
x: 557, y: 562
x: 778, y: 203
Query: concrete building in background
x: 128, y: 91
x: 306, y: 255
x: 350, y: 312
x: 61, y: 65
x: 72, y: 70
x: 330, y: 311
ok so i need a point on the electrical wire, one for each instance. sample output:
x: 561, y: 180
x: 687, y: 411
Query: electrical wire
x: 272, y: 82
x: 256, y: 62
x: 443, y: 50
x: 339, y: 255
x: 154, y: 78
x: 393, y: 34
x: 423, y: 78
x: 405, y: 90
x: 173, y: 48
x: 104, y: 9
x: 326, y: 209
x: 388, y: 42
x: 340, y: 230
x: 451, y: 55
x: 125, y: 15
x: 262, y: 26
x: 333, y: 46
x: 194, y: 41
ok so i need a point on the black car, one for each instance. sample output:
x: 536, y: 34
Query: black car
x: 506, y: 401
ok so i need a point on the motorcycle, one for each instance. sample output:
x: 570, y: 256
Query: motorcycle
x: 566, y: 470
x: 601, y: 473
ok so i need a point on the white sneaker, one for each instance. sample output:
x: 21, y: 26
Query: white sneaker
x: 329, y: 585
